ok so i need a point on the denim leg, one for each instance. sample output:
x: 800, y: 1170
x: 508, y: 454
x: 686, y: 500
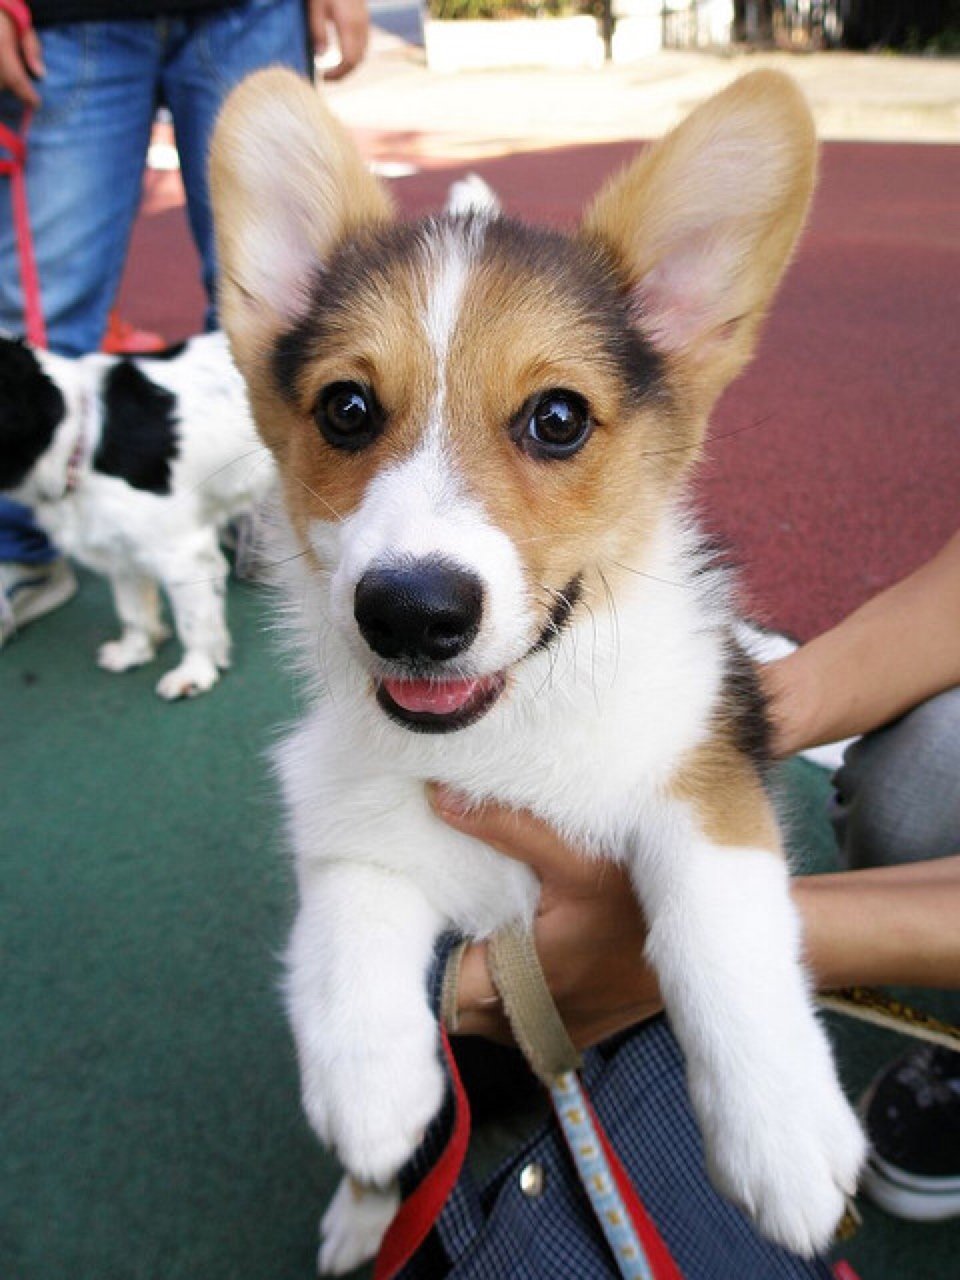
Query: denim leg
x: 20, y: 537
x: 206, y: 57
x: 86, y: 149
x: 898, y: 791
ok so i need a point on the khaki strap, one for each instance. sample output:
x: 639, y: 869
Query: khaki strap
x: 539, y: 1031
x: 449, y: 1014
x: 537, y: 1026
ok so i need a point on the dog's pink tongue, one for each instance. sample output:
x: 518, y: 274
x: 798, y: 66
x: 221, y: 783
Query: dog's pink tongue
x: 439, y: 699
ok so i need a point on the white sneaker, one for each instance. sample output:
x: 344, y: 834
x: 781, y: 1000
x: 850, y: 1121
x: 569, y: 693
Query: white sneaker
x: 28, y: 591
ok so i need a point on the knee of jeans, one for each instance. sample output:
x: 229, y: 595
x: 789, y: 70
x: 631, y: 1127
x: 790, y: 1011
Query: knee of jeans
x: 897, y: 789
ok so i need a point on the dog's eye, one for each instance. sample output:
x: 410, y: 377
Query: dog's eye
x: 559, y: 424
x: 348, y: 415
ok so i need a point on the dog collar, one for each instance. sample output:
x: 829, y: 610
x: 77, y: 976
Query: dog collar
x: 78, y: 453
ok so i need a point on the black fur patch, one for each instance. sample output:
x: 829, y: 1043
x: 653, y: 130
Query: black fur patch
x: 168, y: 353
x: 357, y: 265
x: 746, y: 705
x: 362, y: 263
x: 567, y: 601
x: 139, y: 440
x: 31, y: 409
x: 587, y: 275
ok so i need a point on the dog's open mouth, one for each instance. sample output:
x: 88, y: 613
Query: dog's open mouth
x: 439, y: 706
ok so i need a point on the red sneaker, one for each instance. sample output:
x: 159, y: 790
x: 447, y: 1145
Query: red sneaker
x: 124, y: 339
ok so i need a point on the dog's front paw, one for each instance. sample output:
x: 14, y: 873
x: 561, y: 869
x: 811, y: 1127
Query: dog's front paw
x: 354, y: 1225
x: 133, y: 649
x: 788, y: 1152
x: 196, y: 674
x: 373, y: 1107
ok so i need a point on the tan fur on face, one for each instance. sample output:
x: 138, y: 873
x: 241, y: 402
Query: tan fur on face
x: 691, y: 241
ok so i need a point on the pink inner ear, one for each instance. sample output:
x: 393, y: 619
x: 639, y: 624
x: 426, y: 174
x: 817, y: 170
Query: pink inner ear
x: 688, y: 294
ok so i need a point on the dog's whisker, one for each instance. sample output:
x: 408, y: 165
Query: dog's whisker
x: 726, y: 435
x: 642, y: 573
x: 615, y: 618
x: 261, y: 453
x: 313, y: 493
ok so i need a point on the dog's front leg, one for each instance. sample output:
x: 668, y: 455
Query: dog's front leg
x: 366, y: 1039
x: 195, y: 579
x: 138, y: 608
x: 724, y: 939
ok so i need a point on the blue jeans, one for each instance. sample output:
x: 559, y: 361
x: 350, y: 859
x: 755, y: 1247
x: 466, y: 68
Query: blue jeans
x: 87, y: 149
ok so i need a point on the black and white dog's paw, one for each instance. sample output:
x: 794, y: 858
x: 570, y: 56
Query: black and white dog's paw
x: 133, y: 649
x: 196, y: 674
x: 354, y: 1225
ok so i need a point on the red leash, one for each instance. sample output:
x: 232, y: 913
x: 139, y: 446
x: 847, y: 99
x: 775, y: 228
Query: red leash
x: 420, y: 1211
x: 422, y: 1208
x: 14, y: 168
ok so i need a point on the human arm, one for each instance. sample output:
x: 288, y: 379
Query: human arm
x: 895, y: 925
x: 350, y: 21
x: 895, y: 651
x: 20, y: 58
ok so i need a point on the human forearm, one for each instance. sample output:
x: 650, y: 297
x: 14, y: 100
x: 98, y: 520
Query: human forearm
x: 898, y: 649
x: 895, y: 925
x: 898, y: 925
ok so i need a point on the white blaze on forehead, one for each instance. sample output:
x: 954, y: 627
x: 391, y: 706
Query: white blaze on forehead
x: 450, y: 251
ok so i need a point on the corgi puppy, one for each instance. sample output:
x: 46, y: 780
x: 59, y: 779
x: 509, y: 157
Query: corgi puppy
x: 484, y: 433
x: 133, y: 465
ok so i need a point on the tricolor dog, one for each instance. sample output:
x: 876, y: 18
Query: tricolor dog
x: 133, y: 466
x: 484, y: 433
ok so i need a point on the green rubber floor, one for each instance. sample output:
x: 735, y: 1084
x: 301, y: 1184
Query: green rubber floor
x: 149, y: 1119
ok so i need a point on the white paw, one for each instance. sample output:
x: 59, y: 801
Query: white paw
x: 353, y: 1226
x: 788, y: 1150
x: 196, y: 674
x: 373, y: 1107
x: 131, y: 650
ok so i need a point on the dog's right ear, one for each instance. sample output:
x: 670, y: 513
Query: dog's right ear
x: 286, y: 183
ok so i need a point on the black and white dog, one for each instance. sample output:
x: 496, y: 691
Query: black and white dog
x: 133, y: 466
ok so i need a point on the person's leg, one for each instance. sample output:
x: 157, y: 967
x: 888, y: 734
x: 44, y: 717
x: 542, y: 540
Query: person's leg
x: 20, y: 539
x: 206, y: 57
x: 86, y: 149
x: 897, y: 794
x: 898, y: 800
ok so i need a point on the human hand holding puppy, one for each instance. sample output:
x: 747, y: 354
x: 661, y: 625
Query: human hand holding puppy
x: 589, y: 931
x: 889, y: 925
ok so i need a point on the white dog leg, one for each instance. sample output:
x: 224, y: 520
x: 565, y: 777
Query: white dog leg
x: 138, y: 608
x: 353, y: 1226
x: 366, y: 1038
x: 197, y: 586
x: 781, y: 1139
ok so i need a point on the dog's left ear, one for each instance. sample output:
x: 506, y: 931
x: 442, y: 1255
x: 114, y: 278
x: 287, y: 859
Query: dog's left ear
x: 702, y: 226
x: 286, y: 183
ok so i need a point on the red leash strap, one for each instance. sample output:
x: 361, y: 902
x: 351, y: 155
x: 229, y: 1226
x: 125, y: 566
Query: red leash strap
x: 658, y: 1255
x: 422, y: 1208
x: 14, y: 168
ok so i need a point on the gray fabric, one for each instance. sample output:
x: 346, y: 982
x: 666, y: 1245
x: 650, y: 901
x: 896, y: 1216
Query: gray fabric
x: 898, y: 790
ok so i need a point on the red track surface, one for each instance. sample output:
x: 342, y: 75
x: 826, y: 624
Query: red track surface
x: 834, y: 463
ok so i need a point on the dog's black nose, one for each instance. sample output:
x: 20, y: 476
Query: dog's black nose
x: 425, y: 610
